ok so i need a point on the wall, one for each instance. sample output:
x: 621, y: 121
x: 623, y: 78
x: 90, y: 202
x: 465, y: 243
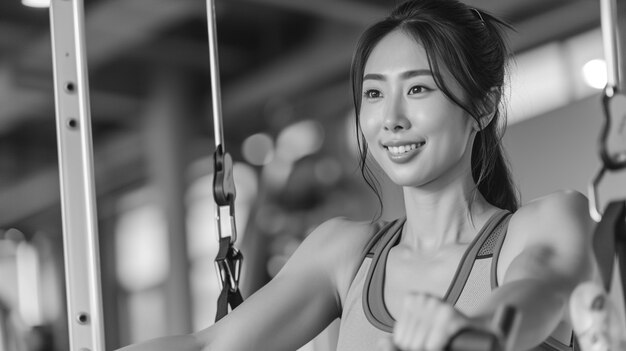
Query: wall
x: 559, y: 150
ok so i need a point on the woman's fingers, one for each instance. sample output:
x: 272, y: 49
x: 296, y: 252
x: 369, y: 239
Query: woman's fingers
x: 444, y: 325
x: 409, y: 324
x: 426, y: 323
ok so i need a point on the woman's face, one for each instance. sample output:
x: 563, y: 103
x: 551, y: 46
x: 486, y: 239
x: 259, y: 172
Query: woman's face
x: 414, y: 132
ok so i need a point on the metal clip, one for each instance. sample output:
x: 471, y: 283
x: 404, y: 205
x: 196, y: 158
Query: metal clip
x: 226, y: 223
x: 229, y: 269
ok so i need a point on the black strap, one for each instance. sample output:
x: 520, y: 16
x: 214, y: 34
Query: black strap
x: 227, y: 297
x: 228, y: 262
x: 604, y: 239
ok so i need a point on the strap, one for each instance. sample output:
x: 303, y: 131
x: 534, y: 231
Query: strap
x: 228, y: 266
x: 613, y: 222
x: 375, y: 242
x: 227, y: 297
x: 497, y: 248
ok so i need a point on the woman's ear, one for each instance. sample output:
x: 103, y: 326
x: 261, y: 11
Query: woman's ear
x: 489, y: 108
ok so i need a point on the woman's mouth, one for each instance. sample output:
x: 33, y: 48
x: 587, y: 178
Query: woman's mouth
x: 403, y: 153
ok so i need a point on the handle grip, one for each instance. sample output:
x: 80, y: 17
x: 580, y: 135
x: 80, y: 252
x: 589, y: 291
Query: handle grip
x: 505, y: 324
x: 475, y: 340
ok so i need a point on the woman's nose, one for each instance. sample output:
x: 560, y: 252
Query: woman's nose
x: 396, y: 116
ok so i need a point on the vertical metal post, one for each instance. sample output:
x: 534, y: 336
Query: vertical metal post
x: 215, y: 75
x: 73, y: 121
x: 608, y: 10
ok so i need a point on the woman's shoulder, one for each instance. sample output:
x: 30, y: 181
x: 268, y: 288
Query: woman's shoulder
x: 556, y: 227
x: 339, y: 246
x: 341, y: 237
x: 558, y: 212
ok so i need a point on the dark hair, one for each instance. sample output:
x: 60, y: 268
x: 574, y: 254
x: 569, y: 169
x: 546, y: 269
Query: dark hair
x: 470, y: 44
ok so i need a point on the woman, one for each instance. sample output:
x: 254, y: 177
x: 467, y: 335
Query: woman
x: 427, y: 87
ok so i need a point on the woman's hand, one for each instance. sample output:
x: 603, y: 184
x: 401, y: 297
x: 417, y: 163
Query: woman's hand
x: 426, y: 323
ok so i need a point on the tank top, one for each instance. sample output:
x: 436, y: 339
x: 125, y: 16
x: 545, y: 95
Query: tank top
x: 365, y: 318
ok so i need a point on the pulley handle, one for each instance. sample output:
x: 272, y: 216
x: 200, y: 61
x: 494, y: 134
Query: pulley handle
x: 501, y: 337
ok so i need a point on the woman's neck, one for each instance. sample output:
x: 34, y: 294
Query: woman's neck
x: 440, y: 216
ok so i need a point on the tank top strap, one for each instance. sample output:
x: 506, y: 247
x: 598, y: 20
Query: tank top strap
x: 499, y: 234
x: 493, y: 242
x: 386, y: 232
x: 471, y: 254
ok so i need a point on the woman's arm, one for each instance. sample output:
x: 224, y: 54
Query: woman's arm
x: 293, y: 307
x: 547, y: 253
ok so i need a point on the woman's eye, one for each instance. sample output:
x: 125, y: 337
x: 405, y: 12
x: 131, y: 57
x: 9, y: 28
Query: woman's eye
x: 372, y: 94
x: 417, y: 89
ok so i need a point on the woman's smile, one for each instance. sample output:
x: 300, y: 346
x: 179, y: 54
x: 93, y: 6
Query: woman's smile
x: 402, y: 152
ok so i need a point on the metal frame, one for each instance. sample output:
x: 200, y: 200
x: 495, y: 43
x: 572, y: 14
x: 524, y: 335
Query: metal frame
x: 215, y: 71
x: 73, y: 122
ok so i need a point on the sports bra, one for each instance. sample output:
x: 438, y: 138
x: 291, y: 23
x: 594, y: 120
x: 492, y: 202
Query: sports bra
x: 365, y: 318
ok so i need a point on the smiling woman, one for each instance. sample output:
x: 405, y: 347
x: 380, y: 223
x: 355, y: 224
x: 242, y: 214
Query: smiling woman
x: 407, y: 120
x: 427, y: 84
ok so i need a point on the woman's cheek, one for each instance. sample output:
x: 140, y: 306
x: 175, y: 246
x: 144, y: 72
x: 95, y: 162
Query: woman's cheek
x: 368, y: 125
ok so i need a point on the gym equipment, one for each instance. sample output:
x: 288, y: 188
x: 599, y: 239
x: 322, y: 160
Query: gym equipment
x: 78, y: 205
x: 228, y: 259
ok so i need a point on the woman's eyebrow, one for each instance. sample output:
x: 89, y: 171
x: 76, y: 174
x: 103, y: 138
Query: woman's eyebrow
x: 417, y: 72
x: 404, y: 75
x: 374, y: 76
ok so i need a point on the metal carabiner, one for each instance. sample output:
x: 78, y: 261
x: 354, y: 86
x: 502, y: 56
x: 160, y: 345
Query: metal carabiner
x: 229, y: 269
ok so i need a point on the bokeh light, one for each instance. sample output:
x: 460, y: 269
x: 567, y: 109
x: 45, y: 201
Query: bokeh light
x: 299, y: 140
x: 594, y: 73
x: 258, y: 149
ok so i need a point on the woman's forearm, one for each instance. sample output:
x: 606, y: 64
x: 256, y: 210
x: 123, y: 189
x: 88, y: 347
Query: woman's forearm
x: 168, y: 343
x: 540, y: 304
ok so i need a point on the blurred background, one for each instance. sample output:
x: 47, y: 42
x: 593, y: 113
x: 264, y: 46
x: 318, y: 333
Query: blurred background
x: 288, y: 123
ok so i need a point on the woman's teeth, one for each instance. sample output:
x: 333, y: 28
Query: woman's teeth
x: 398, y: 150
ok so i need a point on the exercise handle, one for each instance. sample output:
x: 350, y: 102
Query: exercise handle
x: 505, y: 324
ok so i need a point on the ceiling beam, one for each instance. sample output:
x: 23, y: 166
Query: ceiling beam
x: 111, y: 27
x: 135, y: 22
x: 331, y: 54
x: 324, y: 58
x: 350, y: 12
x: 558, y: 24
